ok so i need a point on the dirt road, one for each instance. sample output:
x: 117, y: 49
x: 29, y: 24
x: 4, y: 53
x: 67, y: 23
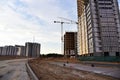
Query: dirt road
x: 13, y: 70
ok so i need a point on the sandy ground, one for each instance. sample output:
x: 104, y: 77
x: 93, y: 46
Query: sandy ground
x: 10, y: 57
x: 46, y: 71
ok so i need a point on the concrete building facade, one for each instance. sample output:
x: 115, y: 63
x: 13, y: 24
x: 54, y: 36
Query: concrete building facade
x: 32, y: 49
x: 70, y: 44
x: 98, y: 28
x: 21, y: 50
x: 9, y: 51
x: 1, y: 50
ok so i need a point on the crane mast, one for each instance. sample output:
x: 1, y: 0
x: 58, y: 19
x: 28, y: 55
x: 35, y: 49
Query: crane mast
x: 64, y: 22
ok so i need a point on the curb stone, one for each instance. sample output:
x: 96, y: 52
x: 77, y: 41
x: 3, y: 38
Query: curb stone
x: 31, y: 73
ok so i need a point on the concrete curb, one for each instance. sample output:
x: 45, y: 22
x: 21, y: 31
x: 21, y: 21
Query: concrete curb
x: 31, y: 73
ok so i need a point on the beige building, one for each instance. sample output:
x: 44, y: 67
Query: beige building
x: 98, y: 28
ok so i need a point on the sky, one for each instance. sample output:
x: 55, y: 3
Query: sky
x: 33, y: 21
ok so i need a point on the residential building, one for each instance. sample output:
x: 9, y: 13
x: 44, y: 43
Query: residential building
x: 1, y: 50
x: 9, y: 51
x: 98, y: 28
x: 21, y: 50
x: 32, y: 49
x: 70, y: 44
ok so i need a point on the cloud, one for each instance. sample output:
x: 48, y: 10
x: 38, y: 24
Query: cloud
x: 21, y: 20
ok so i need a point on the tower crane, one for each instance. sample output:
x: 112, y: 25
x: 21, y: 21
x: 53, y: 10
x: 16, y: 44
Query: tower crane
x: 63, y: 22
x: 70, y: 21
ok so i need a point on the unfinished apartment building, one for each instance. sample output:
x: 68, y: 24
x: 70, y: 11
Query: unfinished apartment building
x: 70, y: 44
x: 98, y: 28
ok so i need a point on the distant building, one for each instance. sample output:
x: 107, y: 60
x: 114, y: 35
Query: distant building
x: 4, y: 50
x: 21, y: 50
x: 32, y: 49
x: 70, y: 44
x: 98, y: 28
x: 9, y: 51
x: 1, y: 50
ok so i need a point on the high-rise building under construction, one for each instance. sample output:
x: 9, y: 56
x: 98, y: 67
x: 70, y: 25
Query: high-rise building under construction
x: 98, y: 28
x: 70, y: 44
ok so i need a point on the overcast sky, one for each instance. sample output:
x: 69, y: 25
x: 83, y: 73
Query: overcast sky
x: 24, y: 20
x: 32, y: 20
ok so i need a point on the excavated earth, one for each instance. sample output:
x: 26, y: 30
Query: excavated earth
x: 47, y: 71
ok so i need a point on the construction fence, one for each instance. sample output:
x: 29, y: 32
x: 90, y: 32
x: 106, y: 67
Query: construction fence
x: 100, y: 58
